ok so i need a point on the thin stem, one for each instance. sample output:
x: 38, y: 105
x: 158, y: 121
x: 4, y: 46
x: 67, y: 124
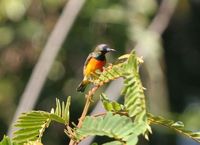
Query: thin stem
x: 99, y: 114
x: 87, y: 105
x: 104, y: 113
x: 85, y: 110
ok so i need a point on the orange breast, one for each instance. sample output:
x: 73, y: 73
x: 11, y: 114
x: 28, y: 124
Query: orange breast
x: 93, y: 65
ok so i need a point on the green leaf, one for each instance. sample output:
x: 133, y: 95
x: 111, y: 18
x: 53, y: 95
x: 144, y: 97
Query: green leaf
x: 57, y: 118
x: 109, y: 73
x: 6, y: 141
x: 58, y: 108
x: 33, y: 143
x: 109, y: 105
x: 133, y: 91
x: 66, y: 115
x: 178, y: 126
x: 114, y: 126
x: 61, y: 113
x: 33, y: 124
x: 113, y: 143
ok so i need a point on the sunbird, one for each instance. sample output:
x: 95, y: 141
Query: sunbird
x: 95, y: 61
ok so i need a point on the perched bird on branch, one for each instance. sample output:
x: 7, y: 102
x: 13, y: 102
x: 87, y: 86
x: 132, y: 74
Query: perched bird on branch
x: 95, y: 61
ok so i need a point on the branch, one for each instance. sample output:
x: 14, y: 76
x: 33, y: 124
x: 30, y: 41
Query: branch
x: 163, y: 16
x: 47, y: 57
x: 85, y: 110
x: 87, y: 105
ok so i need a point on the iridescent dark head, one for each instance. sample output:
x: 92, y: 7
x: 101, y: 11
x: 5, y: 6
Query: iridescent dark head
x: 103, y: 48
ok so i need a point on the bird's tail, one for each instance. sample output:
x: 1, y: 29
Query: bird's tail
x: 81, y: 87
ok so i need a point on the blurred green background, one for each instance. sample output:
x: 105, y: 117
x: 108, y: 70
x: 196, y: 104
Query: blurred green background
x: 26, y: 24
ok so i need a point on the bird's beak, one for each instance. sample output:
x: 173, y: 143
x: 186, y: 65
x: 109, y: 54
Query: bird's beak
x: 109, y: 50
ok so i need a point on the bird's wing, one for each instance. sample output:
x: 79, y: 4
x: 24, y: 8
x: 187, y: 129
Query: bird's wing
x: 87, y: 60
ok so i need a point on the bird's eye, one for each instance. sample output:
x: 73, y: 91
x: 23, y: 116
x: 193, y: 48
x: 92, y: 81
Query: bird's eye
x: 104, y: 48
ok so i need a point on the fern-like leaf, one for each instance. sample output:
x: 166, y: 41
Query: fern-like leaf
x: 134, y: 92
x: 115, y: 126
x: 33, y: 124
x: 110, y: 105
x: 177, y: 126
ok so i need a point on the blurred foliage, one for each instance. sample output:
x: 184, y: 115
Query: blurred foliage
x: 191, y: 116
x: 26, y: 24
x: 13, y: 10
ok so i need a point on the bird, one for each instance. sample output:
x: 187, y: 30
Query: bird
x: 96, y: 60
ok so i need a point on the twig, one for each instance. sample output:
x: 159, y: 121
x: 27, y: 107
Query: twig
x: 85, y: 110
x: 99, y: 114
x: 104, y: 113
x: 47, y: 57
x: 87, y: 105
